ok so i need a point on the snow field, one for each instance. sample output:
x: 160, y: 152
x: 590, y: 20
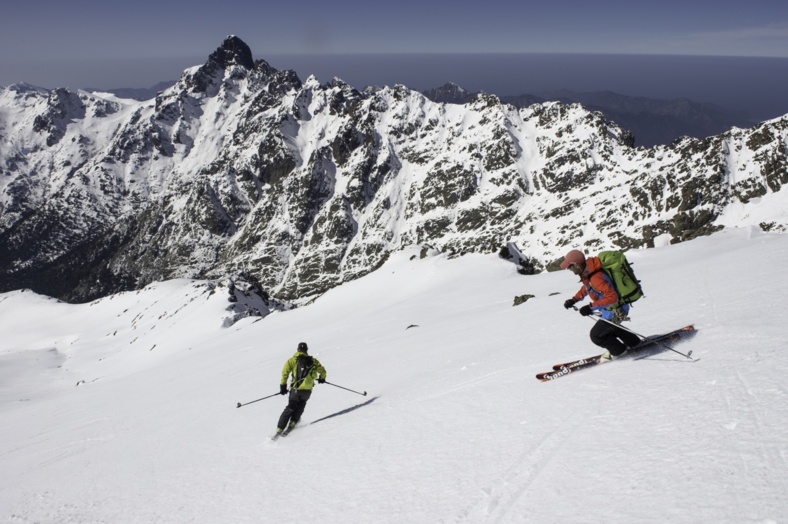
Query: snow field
x: 123, y: 410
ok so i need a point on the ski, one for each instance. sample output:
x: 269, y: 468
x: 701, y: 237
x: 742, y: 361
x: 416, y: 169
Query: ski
x: 575, y: 363
x: 560, y: 370
x: 654, y: 344
x: 571, y: 367
x: 649, y: 343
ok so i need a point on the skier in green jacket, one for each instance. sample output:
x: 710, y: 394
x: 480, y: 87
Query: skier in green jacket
x: 304, y: 370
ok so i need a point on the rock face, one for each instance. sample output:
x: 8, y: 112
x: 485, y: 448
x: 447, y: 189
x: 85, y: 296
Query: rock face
x: 240, y: 169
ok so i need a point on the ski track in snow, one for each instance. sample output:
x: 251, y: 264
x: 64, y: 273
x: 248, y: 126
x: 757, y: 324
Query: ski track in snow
x: 501, y: 498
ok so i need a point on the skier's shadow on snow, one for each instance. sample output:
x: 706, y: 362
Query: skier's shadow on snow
x: 348, y: 410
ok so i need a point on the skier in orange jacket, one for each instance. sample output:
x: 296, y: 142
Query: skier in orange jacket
x: 604, y: 299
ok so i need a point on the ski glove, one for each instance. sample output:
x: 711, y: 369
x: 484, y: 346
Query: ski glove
x: 321, y: 380
x: 569, y: 303
x: 283, y: 389
x: 585, y: 310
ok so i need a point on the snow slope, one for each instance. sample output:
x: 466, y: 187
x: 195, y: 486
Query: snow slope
x: 124, y: 410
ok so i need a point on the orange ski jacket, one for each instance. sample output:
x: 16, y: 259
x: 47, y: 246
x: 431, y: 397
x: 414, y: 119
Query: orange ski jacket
x: 597, y: 286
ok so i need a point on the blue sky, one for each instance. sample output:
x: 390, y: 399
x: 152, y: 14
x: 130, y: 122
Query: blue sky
x: 92, y: 43
x: 89, y: 29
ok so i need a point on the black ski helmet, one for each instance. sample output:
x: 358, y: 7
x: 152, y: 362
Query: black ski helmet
x: 303, y: 347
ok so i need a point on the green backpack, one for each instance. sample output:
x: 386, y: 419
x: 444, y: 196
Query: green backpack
x: 616, y: 266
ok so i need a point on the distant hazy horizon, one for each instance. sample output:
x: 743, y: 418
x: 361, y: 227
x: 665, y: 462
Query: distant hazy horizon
x: 756, y: 87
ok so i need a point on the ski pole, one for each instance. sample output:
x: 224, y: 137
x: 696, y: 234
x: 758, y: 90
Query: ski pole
x: 346, y: 389
x: 258, y: 400
x: 641, y: 337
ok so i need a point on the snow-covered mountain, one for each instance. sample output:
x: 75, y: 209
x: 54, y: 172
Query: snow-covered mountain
x: 243, y: 171
x: 141, y: 94
x: 651, y: 121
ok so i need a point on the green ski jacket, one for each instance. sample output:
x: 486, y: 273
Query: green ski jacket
x: 309, y: 382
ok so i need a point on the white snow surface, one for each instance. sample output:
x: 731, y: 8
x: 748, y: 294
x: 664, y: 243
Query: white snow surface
x: 124, y: 410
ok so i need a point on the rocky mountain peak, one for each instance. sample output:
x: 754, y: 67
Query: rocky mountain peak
x: 233, y: 51
x: 231, y: 54
x: 449, y: 93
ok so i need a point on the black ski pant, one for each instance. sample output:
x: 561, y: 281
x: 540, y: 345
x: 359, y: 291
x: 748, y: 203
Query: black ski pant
x: 295, y: 407
x: 613, y: 338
